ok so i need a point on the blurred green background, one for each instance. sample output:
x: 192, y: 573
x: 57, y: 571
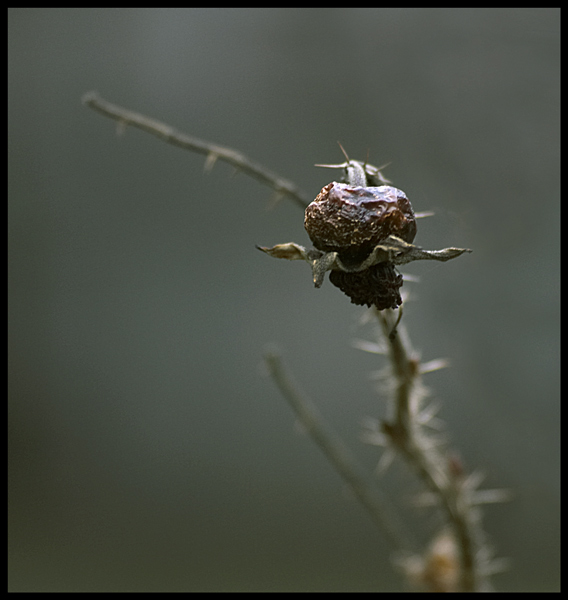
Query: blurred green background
x: 148, y: 450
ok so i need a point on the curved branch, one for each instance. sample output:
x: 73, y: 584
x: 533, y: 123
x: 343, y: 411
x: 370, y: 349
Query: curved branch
x: 213, y: 152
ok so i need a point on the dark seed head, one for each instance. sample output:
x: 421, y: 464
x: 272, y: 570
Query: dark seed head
x: 378, y: 285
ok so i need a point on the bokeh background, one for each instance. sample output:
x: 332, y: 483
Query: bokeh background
x: 149, y: 450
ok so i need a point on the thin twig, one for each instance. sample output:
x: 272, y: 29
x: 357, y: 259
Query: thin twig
x: 336, y: 452
x: 212, y: 151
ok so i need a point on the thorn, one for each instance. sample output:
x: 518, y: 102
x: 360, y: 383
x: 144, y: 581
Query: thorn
x: 274, y: 200
x: 89, y: 97
x: 497, y: 496
x: 366, y: 346
x: 341, y: 166
x: 434, y: 365
x: 343, y: 150
x: 210, y: 162
x: 121, y: 127
x: 408, y: 277
x: 386, y: 460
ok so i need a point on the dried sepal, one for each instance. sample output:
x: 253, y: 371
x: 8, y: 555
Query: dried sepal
x: 289, y: 251
x: 393, y: 250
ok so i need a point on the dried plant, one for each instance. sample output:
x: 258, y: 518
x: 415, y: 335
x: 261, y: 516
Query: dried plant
x: 362, y: 229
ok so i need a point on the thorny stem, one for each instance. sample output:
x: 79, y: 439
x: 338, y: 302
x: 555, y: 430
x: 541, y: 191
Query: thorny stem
x: 213, y: 151
x: 336, y: 452
x: 426, y: 460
